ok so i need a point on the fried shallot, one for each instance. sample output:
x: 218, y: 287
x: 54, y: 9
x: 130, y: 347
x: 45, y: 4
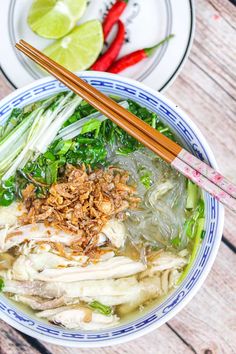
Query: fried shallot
x: 82, y: 202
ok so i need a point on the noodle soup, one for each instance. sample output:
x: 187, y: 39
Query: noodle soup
x: 94, y: 226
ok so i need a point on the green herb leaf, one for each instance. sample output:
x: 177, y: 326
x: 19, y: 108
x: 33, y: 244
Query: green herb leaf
x: 6, y: 198
x: 7, y: 192
x: 190, y: 228
x: 105, y: 310
x: 15, y: 118
x: 62, y: 147
x: 88, y: 151
x: 1, y: 284
x: 197, y: 241
x: 192, y: 197
x: 51, y: 173
x: 201, y: 208
x: 124, y: 150
x: 200, y: 227
x: 91, y: 125
x: 49, y: 155
x: 176, y: 242
x: 146, y: 180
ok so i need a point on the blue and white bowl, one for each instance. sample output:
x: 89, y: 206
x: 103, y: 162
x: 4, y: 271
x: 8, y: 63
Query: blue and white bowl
x: 193, y: 140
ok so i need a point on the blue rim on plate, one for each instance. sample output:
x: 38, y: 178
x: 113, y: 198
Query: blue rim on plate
x: 193, y: 140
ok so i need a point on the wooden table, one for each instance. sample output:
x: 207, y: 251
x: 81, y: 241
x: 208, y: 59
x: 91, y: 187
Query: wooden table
x: 205, y: 89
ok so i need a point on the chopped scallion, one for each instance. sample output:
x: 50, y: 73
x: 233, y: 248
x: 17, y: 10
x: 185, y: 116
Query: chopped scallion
x: 105, y: 310
x: 1, y: 284
x: 192, y: 195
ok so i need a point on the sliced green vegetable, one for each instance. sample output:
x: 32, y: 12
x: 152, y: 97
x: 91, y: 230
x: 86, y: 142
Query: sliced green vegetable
x: 189, y: 227
x: 115, y: 98
x: 62, y: 147
x: 125, y: 150
x: 6, y: 198
x: 92, y: 153
x: 51, y: 173
x: 57, y: 118
x: 43, y: 129
x: 70, y: 131
x: 200, y: 227
x: 105, y: 310
x: 201, y: 208
x: 1, y: 284
x: 15, y: 118
x: 92, y: 124
x: 197, y: 243
x: 49, y: 155
x: 192, y: 195
x: 9, y: 184
x: 146, y: 180
x: 7, y: 192
x: 176, y: 242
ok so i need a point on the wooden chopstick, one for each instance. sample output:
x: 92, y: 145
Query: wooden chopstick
x: 176, y: 150
x: 132, y: 130
x: 133, y: 125
x: 121, y: 111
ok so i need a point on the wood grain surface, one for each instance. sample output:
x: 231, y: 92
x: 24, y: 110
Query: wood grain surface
x: 205, y: 89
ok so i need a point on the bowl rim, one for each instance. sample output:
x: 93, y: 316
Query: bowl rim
x: 215, y: 245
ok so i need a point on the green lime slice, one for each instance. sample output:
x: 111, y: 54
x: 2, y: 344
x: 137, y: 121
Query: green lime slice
x: 80, y: 48
x: 55, y: 18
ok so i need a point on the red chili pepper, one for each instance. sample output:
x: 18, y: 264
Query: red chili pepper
x: 113, y: 16
x: 135, y: 57
x: 105, y: 60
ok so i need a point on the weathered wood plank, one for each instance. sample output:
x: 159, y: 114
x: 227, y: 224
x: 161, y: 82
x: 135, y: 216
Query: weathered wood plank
x: 230, y: 227
x: 208, y: 116
x: 193, y: 89
x: 209, y: 321
x: 207, y: 85
x: 11, y: 342
x: 214, y: 49
x: 5, y: 88
x: 226, y: 9
x: 161, y: 341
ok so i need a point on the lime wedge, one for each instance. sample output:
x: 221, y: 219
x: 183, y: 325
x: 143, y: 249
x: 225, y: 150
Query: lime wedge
x: 55, y: 18
x: 80, y: 48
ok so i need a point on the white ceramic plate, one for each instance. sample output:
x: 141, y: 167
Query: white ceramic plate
x: 147, y: 22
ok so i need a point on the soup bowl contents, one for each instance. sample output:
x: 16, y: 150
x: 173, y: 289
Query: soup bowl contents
x: 93, y: 225
x: 100, y: 239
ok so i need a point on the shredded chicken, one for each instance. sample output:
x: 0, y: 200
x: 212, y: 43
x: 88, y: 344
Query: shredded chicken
x: 9, y: 214
x: 78, y: 318
x: 163, y: 261
x: 41, y: 267
x: 37, y: 303
x: 114, y: 230
x: 82, y: 203
x: 35, y: 233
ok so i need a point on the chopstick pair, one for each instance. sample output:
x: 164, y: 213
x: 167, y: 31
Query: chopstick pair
x: 190, y: 166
